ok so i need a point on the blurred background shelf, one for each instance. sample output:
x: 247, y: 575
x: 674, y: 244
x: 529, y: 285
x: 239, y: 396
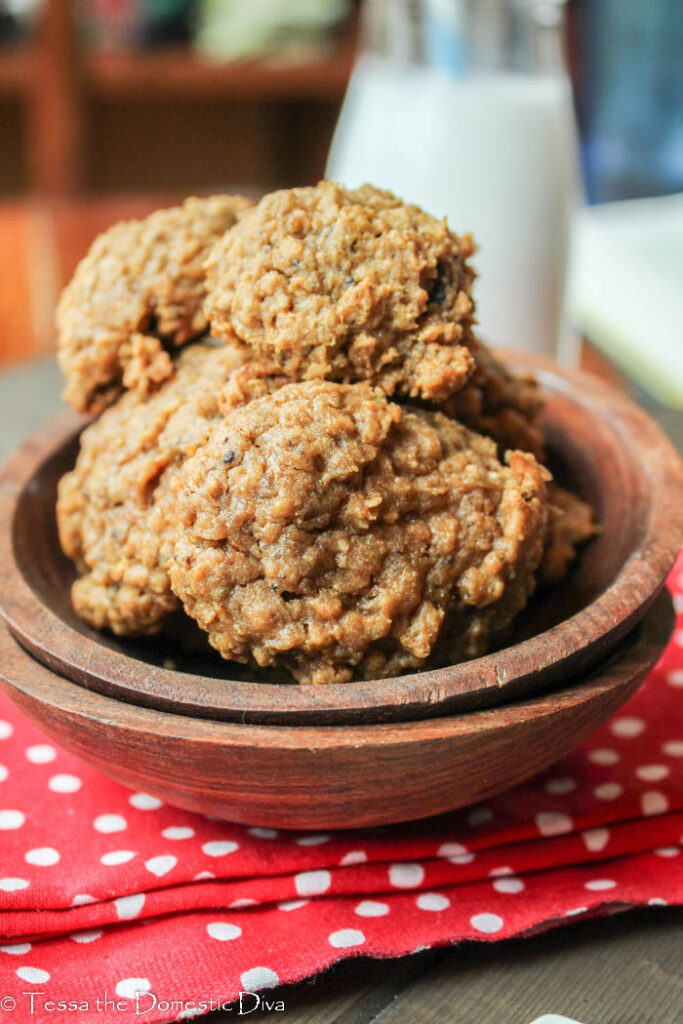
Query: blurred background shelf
x: 17, y: 65
x: 76, y: 120
x: 160, y: 74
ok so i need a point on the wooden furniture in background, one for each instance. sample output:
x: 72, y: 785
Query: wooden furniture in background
x: 78, y: 121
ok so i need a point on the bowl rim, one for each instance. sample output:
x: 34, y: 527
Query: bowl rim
x: 314, y: 778
x: 573, y: 645
x: 633, y: 660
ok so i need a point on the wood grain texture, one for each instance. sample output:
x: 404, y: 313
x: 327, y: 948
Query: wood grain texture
x: 329, y: 776
x: 608, y: 449
x: 624, y: 969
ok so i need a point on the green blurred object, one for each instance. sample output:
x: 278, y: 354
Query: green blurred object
x: 229, y: 29
x: 626, y: 289
x: 165, y: 21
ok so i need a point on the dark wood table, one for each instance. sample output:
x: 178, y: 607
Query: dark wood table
x: 627, y: 969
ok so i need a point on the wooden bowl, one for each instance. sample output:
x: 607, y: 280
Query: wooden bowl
x: 342, y: 776
x: 599, y: 442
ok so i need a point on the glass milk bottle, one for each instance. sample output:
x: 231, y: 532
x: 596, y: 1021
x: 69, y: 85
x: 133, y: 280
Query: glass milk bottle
x: 464, y: 107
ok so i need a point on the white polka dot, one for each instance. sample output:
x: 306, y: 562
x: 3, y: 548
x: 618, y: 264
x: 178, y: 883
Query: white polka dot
x: 42, y: 856
x: 108, y: 823
x: 432, y: 901
x: 455, y: 852
x: 600, y: 884
x: 81, y: 899
x: 575, y: 911
x: 13, y: 884
x: 242, y: 903
x: 263, y: 833
x: 128, y: 907
x: 6, y: 729
x: 596, y: 839
x: 652, y: 772
x: 678, y: 638
x: 4, y: 773
x: 129, y: 988
x: 558, y: 787
x: 161, y: 865
x: 462, y: 858
x: 203, y: 875
x: 667, y: 851
x: 487, y: 923
x: 553, y: 823
x: 41, y: 753
x: 33, y: 974
x: 627, y: 726
x: 353, y: 857
x: 479, y: 816
x: 219, y: 847
x: 11, y: 820
x: 257, y: 978
x: 312, y: 883
x: 603, y: 755
x: 116, y: 857
x: 675, y: 678
x: 90, y: 936
x: 223, y: 931
x: 501, y: 872
x: 292, y: 904
x: 316, y: 840
x: 508, y: 885
x: 653, y: 802
x: 346, y: 938
x: 406, y: 876
x: 178, y: 832
x: 17, y: 948
x: 674, y: 748
x: 371, y: 908
x: 608, y: 791
x: 64, y: 784
x: 144, y: 802
x: 657, y: 901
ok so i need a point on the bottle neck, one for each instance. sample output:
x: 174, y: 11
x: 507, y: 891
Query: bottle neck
x: 465, y: 37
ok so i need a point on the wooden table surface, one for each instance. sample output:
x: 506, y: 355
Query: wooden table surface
x: 627, y: 969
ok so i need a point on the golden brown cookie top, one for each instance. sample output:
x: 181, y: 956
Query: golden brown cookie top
x: 138, y: 291
x: 327, y: 530
x: 348, y: 285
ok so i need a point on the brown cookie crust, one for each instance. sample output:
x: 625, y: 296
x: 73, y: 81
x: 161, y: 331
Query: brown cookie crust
x: 324, y: 282
x: 113, y: 507
x: 139, y: 291
x: 572, y: 524
x: 500, y: 404
x: 326, y: 530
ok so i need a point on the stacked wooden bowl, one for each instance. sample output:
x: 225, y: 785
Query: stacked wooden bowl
x: 271, y: 753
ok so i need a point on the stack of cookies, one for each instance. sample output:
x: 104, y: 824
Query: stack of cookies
x: 300, y: 440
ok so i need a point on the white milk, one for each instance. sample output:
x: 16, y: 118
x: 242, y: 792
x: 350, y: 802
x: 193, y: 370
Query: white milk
x: 495, y: 154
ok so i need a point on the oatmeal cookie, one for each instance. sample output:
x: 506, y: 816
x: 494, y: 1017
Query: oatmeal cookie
x: 331, y: 532
x: 572, y: 524
x: 499, y: 403
x: 112, y: 508
x: 138, y: 292
x: 324, y: 282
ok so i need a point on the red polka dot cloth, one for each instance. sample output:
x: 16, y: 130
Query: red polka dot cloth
x: 118, y: 904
